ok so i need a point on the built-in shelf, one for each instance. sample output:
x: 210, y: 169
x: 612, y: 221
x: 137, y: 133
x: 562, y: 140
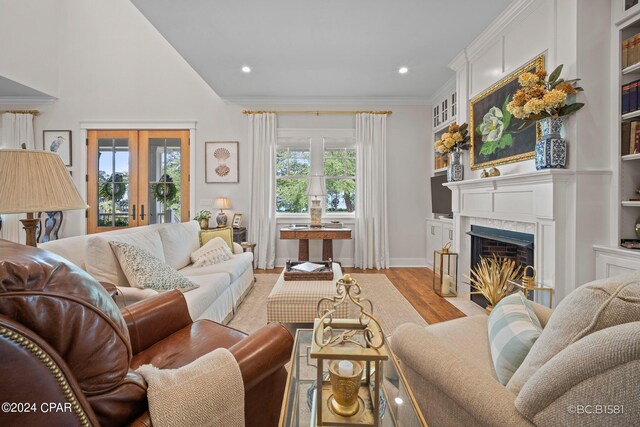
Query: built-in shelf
x: 631, y: 115
x: 631, y: 157
x: 631, y: 203
x: 633, y: 69
x: 444, y: 125
x: 444, y: 169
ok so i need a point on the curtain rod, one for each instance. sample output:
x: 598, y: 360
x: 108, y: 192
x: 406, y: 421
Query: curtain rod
x: 34, y: 112
x: 317, y: 113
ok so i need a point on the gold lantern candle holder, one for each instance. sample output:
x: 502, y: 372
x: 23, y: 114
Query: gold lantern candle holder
x: 528, y: 285
x: 445, y: 272
x: 353, y: 351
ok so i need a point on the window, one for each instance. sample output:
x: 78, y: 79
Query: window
x: 305, y: 152
x: 293, y: 166
x: 340, y: 179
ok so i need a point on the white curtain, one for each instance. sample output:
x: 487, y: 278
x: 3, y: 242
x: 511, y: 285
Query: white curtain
x: 17, y: 132
x: 371, y: 239
x: 262, y: 157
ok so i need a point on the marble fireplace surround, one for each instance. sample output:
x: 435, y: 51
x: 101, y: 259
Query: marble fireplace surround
x: 534, y: 203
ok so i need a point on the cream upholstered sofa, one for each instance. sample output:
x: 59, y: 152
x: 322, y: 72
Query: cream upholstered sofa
x: 584, y: 369
x: 221, y: 286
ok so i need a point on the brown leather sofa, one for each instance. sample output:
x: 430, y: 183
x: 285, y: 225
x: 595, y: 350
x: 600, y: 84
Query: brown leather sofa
x: 68, y: 355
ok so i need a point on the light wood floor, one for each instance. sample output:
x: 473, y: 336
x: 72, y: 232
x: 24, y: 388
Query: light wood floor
x: 415, y: 285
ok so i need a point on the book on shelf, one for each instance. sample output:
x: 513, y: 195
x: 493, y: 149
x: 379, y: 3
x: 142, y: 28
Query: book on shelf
x: 630, y: 97
x: 630, y: 137
x: 630, y: 51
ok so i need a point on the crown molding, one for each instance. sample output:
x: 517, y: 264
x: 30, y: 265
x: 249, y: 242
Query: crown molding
x: 252, y: 100
x: 459, y: 62
x: 27, y: 100
x: 444, y: 91
x: 488, y: 36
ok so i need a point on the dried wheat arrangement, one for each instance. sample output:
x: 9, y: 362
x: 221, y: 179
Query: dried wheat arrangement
x: 491, y: 276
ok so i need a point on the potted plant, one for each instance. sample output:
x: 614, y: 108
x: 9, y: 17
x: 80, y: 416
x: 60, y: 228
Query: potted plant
x: 203, y: 218
x: 547, y: 101
x: 452, y: 143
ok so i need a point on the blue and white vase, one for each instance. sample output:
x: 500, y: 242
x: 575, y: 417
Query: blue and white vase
x: 455, y: 171
x: 551, y: 149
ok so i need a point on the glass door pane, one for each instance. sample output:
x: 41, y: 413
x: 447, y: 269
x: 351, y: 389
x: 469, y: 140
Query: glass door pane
x: 113, y: 179
x: 164, y: 180
x: 164, y: 176
x: 111, y: 185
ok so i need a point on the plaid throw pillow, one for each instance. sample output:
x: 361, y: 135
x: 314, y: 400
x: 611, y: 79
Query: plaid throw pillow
x: 513, y: 328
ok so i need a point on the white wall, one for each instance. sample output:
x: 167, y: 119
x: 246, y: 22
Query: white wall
x: 29, y: 53
x: 113, y: 66
x: 575, y: 33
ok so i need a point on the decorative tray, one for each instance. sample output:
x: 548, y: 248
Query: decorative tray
x: 325, y: 273
x: 630, y: 243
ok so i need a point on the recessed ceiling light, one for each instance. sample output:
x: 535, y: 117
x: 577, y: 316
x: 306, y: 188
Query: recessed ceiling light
x: 403, y: 70
x: 399, y: 400
x: 246, y: 69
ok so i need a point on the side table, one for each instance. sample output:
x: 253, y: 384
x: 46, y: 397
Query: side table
x: 240, y: 234
x: 248, y: 247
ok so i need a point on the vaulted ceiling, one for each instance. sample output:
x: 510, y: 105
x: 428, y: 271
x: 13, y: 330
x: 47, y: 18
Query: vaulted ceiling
x: 324, y: 49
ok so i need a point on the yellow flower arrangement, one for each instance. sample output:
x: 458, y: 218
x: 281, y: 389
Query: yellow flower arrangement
x: 455, y: 138
x: 540, y: 97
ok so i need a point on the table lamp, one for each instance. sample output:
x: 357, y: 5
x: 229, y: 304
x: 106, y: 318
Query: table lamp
x: 316, y: 189
x: 35, y: 181
x: 222, y: 203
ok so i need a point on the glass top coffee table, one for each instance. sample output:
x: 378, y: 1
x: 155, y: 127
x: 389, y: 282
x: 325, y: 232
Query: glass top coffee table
x: 397, y: 404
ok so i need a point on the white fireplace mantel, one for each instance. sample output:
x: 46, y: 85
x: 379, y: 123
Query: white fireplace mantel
x: 535, y: 203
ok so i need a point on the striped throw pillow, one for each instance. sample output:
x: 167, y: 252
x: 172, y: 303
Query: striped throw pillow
x: 513, y: 328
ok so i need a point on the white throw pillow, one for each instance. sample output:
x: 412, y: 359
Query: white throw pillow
x: 145, y: 271
x: 214, y: 251
x: 101, y: 262
x: 179, y: 241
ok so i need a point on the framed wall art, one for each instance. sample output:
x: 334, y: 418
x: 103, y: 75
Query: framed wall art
x: 497, y: 137
x: 221, y: 162
x: 58, y: 141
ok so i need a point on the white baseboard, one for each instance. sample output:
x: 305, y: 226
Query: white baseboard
x: 408, y: 262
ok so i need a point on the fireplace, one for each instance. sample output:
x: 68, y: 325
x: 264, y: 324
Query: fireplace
x: 486, y: 241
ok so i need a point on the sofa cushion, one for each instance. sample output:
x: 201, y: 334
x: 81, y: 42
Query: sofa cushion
x: 212, y: 286
x: 513, y: 329
x: 143, y: 270
x: 178, y: 242
x: 226, y: 233
x: 235, y: 267
x: 214, y: 251
x: 590, y: 308
x: 101, y: 261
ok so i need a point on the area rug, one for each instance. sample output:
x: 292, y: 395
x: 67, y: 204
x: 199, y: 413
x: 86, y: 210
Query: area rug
x: 390, y: 307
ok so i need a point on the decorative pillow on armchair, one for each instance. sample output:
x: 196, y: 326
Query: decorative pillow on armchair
x: 226, y: 233
x: 145, y: 271
x: 513, y: 329
x: 214, y: 251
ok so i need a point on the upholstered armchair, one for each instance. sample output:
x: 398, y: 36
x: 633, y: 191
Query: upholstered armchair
x: 63, y: 341
x: 584, y: 369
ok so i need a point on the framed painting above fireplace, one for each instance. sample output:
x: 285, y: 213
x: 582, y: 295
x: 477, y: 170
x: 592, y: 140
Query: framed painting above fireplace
x: 496, y: 136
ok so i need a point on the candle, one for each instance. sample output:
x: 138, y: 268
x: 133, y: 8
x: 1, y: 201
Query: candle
x: 447, y: 283
x: 345, y: 368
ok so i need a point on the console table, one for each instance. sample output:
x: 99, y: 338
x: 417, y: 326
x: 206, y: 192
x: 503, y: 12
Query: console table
x: 327, y: 235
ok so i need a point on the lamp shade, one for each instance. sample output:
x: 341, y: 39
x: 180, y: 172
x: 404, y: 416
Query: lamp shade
x: 36, y: 181
x: 222, y: 203
x: 316, y: 186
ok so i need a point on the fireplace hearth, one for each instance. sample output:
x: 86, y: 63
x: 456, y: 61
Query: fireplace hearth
x: 486, y: 241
